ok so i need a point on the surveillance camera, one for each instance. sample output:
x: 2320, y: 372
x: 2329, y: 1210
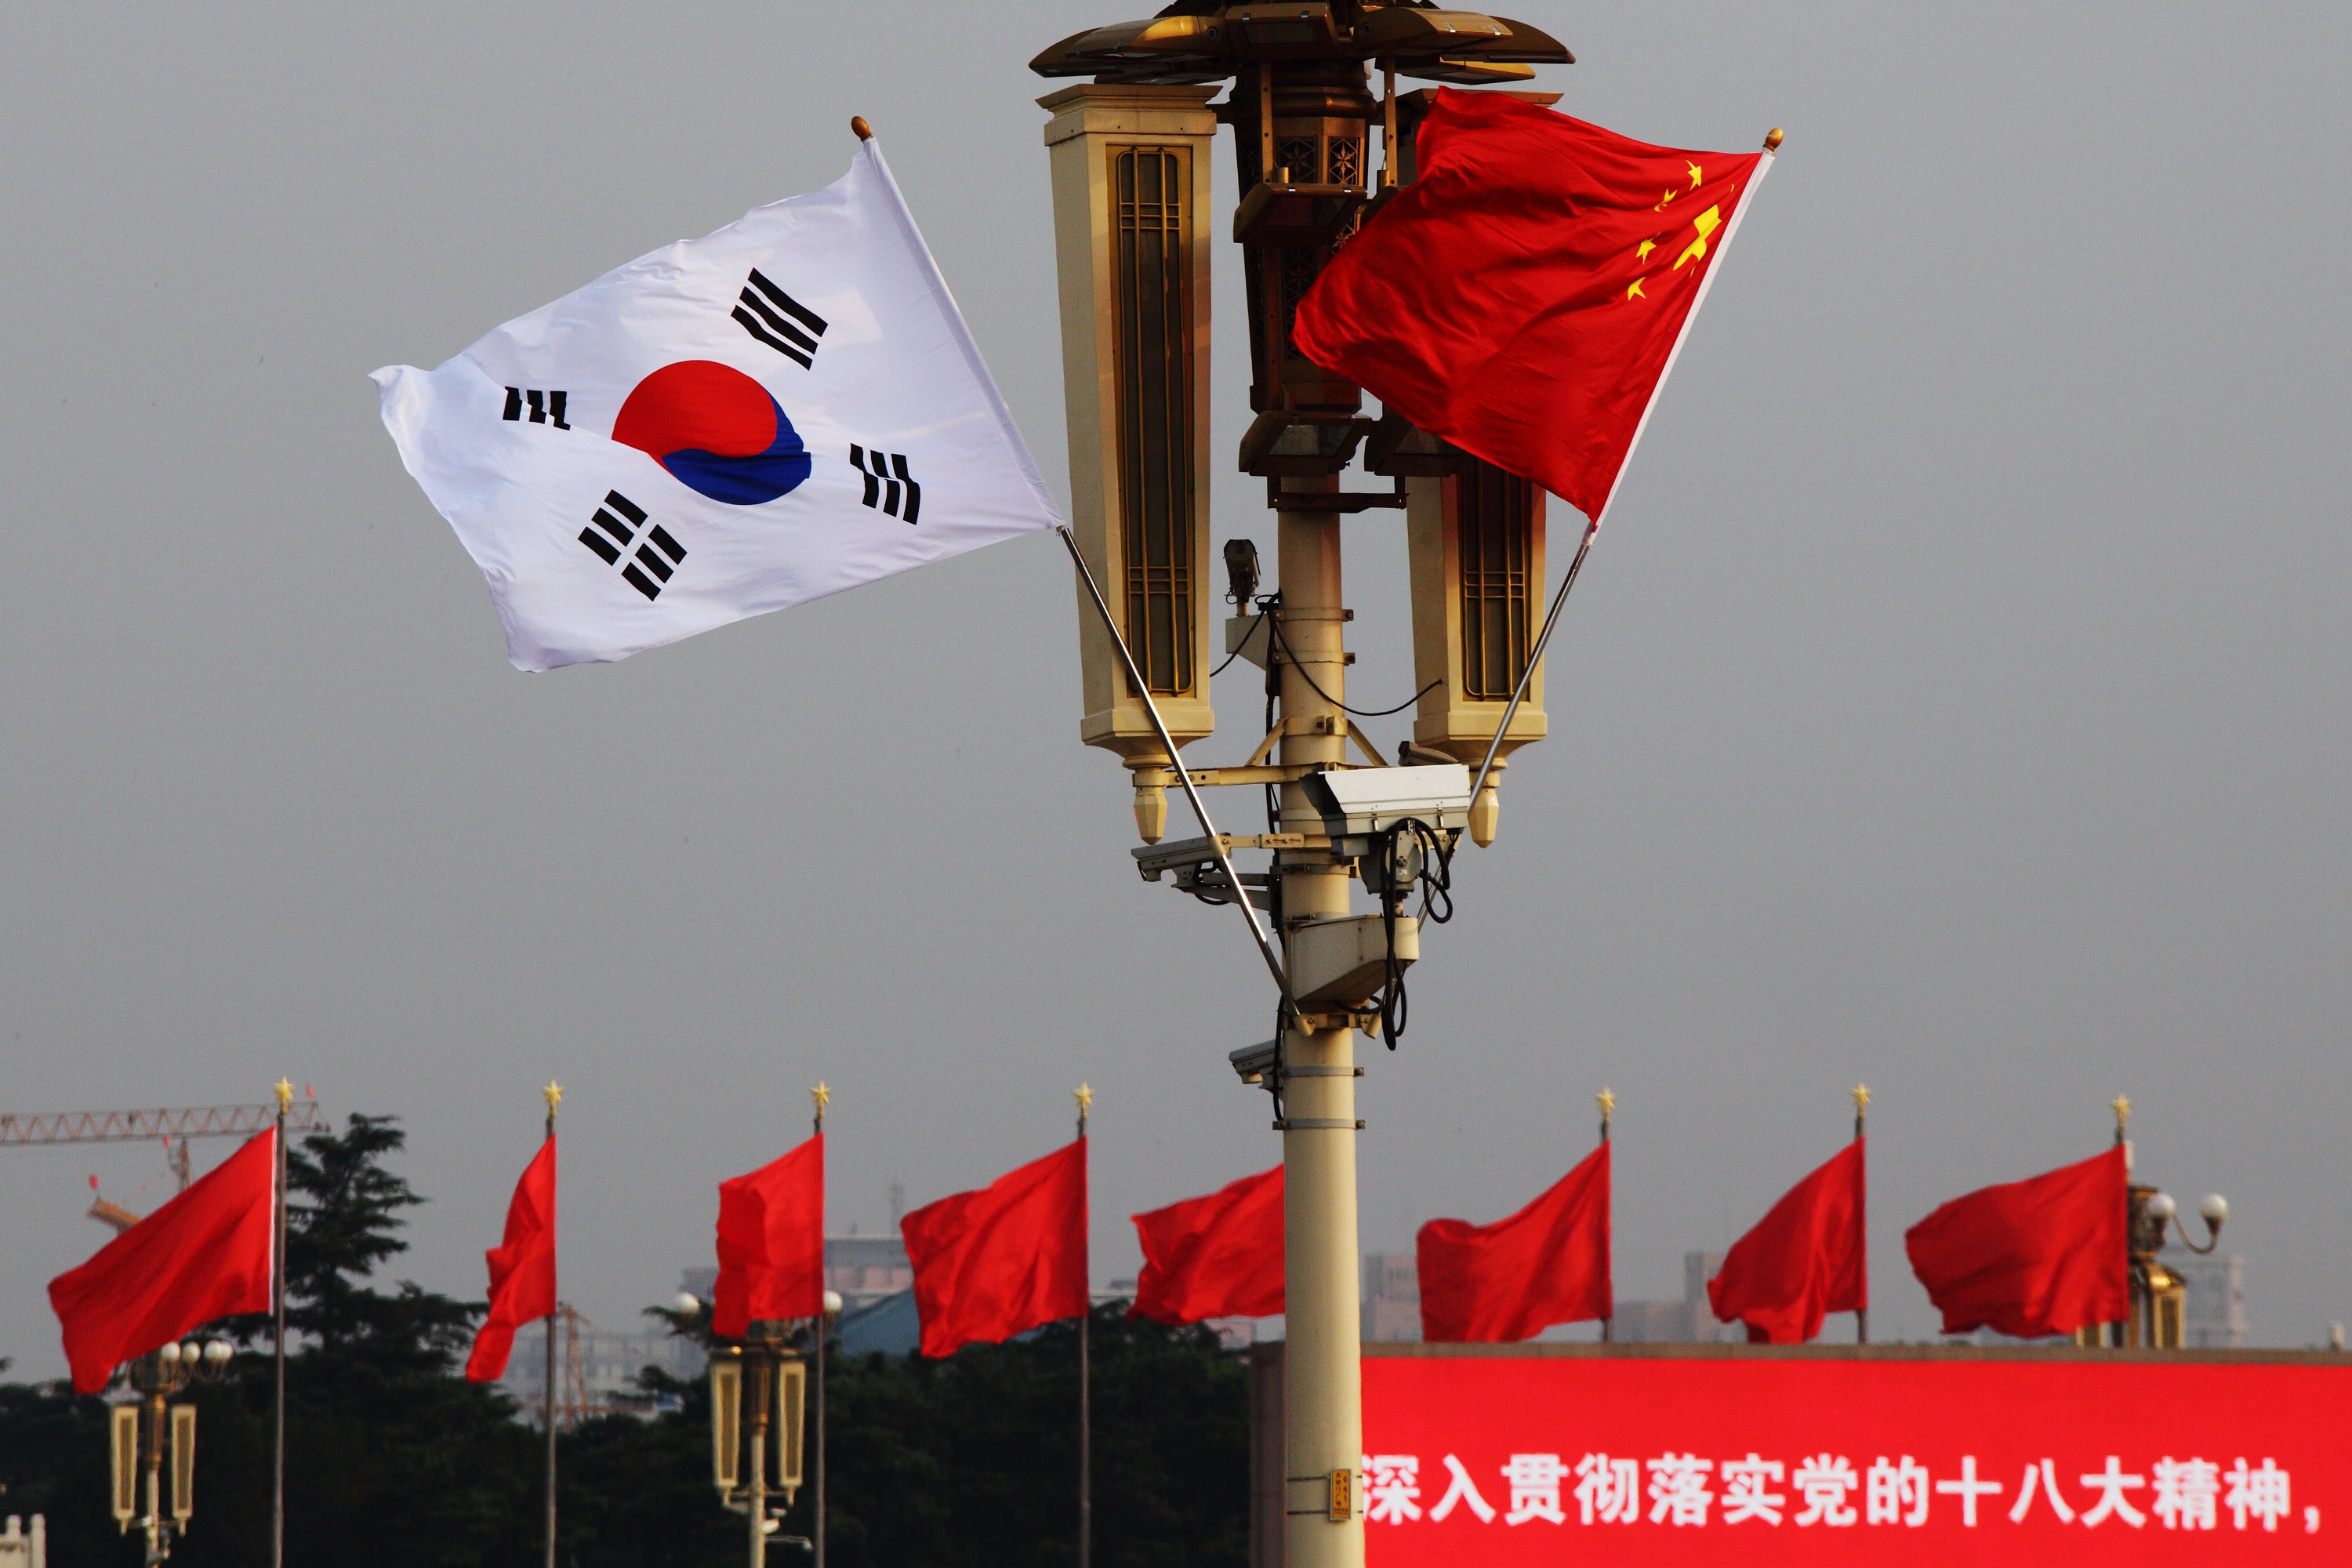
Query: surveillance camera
x: 1241, y: 570
x: 1254, y: 1062
x: 1356, y: 803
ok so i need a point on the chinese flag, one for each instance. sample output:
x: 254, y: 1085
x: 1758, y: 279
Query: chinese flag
x: 1549, y: 1263
x: 522, y: 1268
x: 771, y: 1243
x: 1010, y: 1256
x: 1806, y: 1259
x: 1524, y: 296
x: 2038, y: 1256
x: 1213, y: 1256
x: 201, y: 1256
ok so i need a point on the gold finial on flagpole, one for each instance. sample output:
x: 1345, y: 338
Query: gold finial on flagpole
x: 864, y: 131
x: 284, y: 1092
x: 1085, y: 1098
x: 2121, y: 1106
x: 820, y: 1097
x: 554, y: 1095
x: 1860, y: 1093
x: 1607, y: 1100
x: 1772, y: 141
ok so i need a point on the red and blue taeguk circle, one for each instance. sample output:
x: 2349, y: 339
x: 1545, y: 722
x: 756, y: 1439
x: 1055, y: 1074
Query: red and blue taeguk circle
x: 716, y: 430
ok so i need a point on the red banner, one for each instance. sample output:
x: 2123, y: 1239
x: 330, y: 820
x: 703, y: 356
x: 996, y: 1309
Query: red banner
x: 1486, y: 1460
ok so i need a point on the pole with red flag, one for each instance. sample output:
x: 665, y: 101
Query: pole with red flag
x: 821, y: 1096
x: 278, y: 1322
x: 1861, y: 1092
x: 1085, y: 1098
x: 1607, y: 1099
x: 554, y: 1093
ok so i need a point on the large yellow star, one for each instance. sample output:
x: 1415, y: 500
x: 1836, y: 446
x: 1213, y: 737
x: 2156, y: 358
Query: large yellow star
x: 1706, y: 223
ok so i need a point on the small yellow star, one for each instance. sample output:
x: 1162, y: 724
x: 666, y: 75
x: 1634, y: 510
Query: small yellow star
x: 1633, y: 290
x: 1695, y: 174
x: 1642, y: 251
x: 1664, y: 199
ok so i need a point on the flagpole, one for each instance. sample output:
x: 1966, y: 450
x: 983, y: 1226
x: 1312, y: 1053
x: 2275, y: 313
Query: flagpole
x: 1608, y: 1102
x: 1535, y: 658
x: 278, y: 1315
x: 1176, y: 766
x: 1085, y: 1098
x: 554, y: 1094
x: 1861, y: 1092
x: 820, y: 1095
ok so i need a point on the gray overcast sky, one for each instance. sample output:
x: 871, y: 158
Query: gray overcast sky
x: 1957, y: 701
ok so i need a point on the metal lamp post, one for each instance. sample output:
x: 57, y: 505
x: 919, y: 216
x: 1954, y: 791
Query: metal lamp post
x: 2159, y: 1298
x: 145, y: 1434
x: 758, y: 1391
x: 1133, y: 237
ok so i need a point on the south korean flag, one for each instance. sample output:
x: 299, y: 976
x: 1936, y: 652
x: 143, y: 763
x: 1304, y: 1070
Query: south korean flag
x: 782, y: 410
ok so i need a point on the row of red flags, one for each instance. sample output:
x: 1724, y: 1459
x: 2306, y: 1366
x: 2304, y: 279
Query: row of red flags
x: 2044, y: 1256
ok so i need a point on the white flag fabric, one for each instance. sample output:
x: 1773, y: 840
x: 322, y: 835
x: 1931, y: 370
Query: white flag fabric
x: 782, y: 410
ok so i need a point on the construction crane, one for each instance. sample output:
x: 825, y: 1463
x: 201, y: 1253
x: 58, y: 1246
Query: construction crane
x: 170, y: 1123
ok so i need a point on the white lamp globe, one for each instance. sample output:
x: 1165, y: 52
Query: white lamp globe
x: 2215, y: 1208
x: 2161, y: 1205
x: 685, y: 1305
x: 218, y: 1352
x: 168, y: 1353
x: 833, y: 1303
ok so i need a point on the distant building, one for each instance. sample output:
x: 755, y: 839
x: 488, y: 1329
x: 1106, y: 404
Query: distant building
x: 596, y: 1370
x: 2216, y: 1314
x: 863, y: 1269
x: 1684, y: 1323
x: 1392, y: 1300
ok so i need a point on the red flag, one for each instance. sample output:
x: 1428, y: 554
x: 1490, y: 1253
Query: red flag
x: 1009, y: 1256
x: 1524, y: 296
x: 201, y: 1256
x: 1213, y: 1256
x: 771, y: 1243
x: 1806, y: 1259
x: 1547, y: 1264
x: 522, y: 1268
x: 2044, y: 1255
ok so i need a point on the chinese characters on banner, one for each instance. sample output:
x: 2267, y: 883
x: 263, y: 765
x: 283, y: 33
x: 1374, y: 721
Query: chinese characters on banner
x: 1492, y: 1458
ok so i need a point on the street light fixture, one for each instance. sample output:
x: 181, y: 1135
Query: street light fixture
x: 147, y: 1433
x: 2159, y: 1298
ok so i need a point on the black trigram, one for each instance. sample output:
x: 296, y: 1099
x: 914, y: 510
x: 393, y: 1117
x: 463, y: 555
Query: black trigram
x: 615, y: 527
x: 779, y: 320
x: 888, y: 481
x: 546, y: 408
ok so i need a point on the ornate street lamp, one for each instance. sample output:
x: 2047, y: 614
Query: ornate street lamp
x: 1130, y: 153
x: 2160, y: 1296
x: 146, y: 1434
x: 758, y: 1391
